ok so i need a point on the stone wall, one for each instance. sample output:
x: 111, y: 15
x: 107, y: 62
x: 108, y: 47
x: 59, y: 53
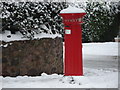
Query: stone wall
x: 32, y: 57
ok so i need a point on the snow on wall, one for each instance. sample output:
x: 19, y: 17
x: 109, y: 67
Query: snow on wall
x: 7, y: 36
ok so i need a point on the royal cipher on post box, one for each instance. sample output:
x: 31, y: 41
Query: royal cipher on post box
x: 72, y: 19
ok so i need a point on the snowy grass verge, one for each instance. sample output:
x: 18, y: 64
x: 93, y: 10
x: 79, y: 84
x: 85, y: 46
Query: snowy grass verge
x: 93, y: 78
x: 106, y: 49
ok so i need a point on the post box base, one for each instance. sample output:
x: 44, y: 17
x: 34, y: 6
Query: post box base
x: 73, y: 74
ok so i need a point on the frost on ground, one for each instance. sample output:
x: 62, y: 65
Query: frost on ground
x: 93, y: 78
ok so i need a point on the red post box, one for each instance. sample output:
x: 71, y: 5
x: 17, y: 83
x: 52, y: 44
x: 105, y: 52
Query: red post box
x: 72, y: 18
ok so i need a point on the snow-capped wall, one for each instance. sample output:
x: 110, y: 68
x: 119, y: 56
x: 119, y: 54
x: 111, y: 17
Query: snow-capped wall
x: 7, y: 36
x: 32, y: 57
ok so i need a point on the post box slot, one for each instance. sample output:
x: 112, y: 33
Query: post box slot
x: 67, y: 26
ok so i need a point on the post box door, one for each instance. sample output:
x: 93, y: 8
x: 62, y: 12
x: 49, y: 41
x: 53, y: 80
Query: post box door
x: 73, y: 50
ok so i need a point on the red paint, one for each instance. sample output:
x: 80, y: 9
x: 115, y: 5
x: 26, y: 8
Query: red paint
x: 73, y: 44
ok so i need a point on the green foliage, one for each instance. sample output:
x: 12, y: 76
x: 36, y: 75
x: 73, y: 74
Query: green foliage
x: 98, y: 21
x: 32, y: 17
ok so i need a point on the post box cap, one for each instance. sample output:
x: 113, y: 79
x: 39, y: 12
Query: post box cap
x: 71, y: 9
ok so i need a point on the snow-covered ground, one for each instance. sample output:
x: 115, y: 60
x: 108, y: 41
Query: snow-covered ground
x: 106, y: 49
x: 100, y: 55
x: 94, y: 76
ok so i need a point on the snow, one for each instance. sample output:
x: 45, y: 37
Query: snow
x: 5, y: 45
x: 0, y: 82
x: 7, y: 36
x: 94, y: 0
x: 106, y: 49
x: 93, y: 77
x: 71, y: 9
x: 73, y: 1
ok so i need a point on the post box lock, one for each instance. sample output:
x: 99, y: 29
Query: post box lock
x: 67, y: 31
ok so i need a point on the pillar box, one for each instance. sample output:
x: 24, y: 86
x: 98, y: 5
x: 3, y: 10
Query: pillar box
x: 72, y: 19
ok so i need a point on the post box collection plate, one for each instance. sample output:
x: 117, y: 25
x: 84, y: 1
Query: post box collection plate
x: 67, y: 31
